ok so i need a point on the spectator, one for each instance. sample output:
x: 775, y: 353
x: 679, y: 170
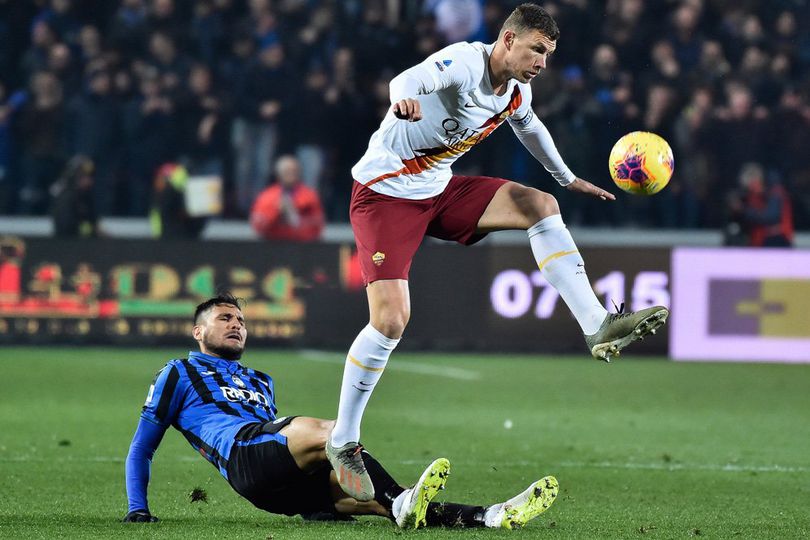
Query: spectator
x: 168, y: 216
x: 207, y: 31
x: 317, y: 38
x: 613, y: 112
x: 164, y: 58
x: 58, y: 15
x: 61, y: 64
x: 127, y: 32
x: 262, y: 97
x: 72, y: 207
x: 41, y: 132
x: 374, y: 40
x: 149, y: 120
x: 163, y: 18
x: 204, y: 123
x: 713, y: 66
x: 755, y: 72
x: 310, y: 131
x: 685, y: 37
x: 35, y: 58
x: 240, y: 56
x: 786, y: 31
x: 738, y: 136
x: 350, y: 113
x: 691, y: 138
x: 94, y: 131
x: 665, y: 66
x: 791, y: 128
x: 761, y: 211
x: 288, y: 210
x: 89, y: 44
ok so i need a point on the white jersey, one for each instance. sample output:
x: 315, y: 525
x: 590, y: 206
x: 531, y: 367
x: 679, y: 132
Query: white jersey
x: 412, y: 160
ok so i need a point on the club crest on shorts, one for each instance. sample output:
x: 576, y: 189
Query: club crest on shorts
x: 378, y: 258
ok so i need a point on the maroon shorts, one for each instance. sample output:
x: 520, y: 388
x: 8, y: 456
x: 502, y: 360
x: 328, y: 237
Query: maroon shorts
x: 388, y: 230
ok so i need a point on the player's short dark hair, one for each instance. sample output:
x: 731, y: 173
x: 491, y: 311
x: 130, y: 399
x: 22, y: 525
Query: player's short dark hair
x: 532, y: 17
x: 221, y: 298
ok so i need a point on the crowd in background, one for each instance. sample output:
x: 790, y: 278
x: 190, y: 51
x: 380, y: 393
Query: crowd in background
x: 226, y: 87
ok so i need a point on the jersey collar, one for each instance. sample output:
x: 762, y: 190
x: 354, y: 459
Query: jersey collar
x: 231, y: 366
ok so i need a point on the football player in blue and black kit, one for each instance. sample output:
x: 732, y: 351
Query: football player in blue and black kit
x: 227, y: 412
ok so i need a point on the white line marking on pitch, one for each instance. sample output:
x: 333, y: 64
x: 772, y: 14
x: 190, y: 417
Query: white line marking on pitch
x: 407, y: 366
x: 728, y: 467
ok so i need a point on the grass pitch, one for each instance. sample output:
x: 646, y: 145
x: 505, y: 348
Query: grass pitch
x: 642, y: 448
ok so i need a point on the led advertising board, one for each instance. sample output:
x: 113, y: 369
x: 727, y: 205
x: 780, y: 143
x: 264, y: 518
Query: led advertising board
x: 740, y: 304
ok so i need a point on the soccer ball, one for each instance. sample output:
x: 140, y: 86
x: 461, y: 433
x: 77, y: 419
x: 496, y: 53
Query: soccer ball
x: 641, y: 163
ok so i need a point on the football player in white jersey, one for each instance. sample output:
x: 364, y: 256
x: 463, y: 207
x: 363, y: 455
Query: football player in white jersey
x: 404, y: 189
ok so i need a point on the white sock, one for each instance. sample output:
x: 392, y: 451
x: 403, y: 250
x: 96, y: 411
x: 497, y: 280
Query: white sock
x: 491, y: 516
x: 364, y: 366
x: 396, y: 505
x: 561, y: 264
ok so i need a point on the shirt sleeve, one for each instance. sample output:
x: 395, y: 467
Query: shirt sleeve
x: 165, y: 397
x: 139, y: 461
x: 537, y: 140
x: 456, y: 66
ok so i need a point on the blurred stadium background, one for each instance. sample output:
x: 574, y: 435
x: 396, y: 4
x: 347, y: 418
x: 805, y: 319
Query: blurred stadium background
x: 137, y: 135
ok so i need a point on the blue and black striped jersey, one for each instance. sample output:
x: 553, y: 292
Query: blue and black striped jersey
x: 209, y: 399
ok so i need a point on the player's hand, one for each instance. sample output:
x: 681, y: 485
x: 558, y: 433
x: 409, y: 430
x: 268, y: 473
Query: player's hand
x: 407, y: 109
x: 583, y: 186
x: 140, y: 516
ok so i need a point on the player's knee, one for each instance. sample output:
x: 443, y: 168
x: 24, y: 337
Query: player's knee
x: 326, y: 427
x: 532, y: 203
x: 322, y: 430
x: 538, y: 205
x: 391, y: 322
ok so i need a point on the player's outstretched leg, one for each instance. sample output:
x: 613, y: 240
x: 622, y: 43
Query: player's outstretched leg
x: 618, y: 330
x: 412, y: 505
x: 522, y: 508
x: 562, y: 265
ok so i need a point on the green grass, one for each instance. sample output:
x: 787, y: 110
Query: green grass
x: 642, y: 448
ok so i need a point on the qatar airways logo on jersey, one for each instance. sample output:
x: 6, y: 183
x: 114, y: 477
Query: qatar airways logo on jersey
x: 251, y: 397
x: 458, y: 137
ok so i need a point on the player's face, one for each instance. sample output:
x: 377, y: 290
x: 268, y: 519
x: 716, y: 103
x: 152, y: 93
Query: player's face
x: 528, y: 54
x: 222, y: 332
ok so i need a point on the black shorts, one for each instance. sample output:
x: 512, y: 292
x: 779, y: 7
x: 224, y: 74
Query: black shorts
x: 266, y: 474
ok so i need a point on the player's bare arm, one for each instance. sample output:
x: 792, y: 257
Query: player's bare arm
x: 583, y: 186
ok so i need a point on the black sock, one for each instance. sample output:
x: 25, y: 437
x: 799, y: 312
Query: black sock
x: 454, y: 515
x: 386, y: 489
